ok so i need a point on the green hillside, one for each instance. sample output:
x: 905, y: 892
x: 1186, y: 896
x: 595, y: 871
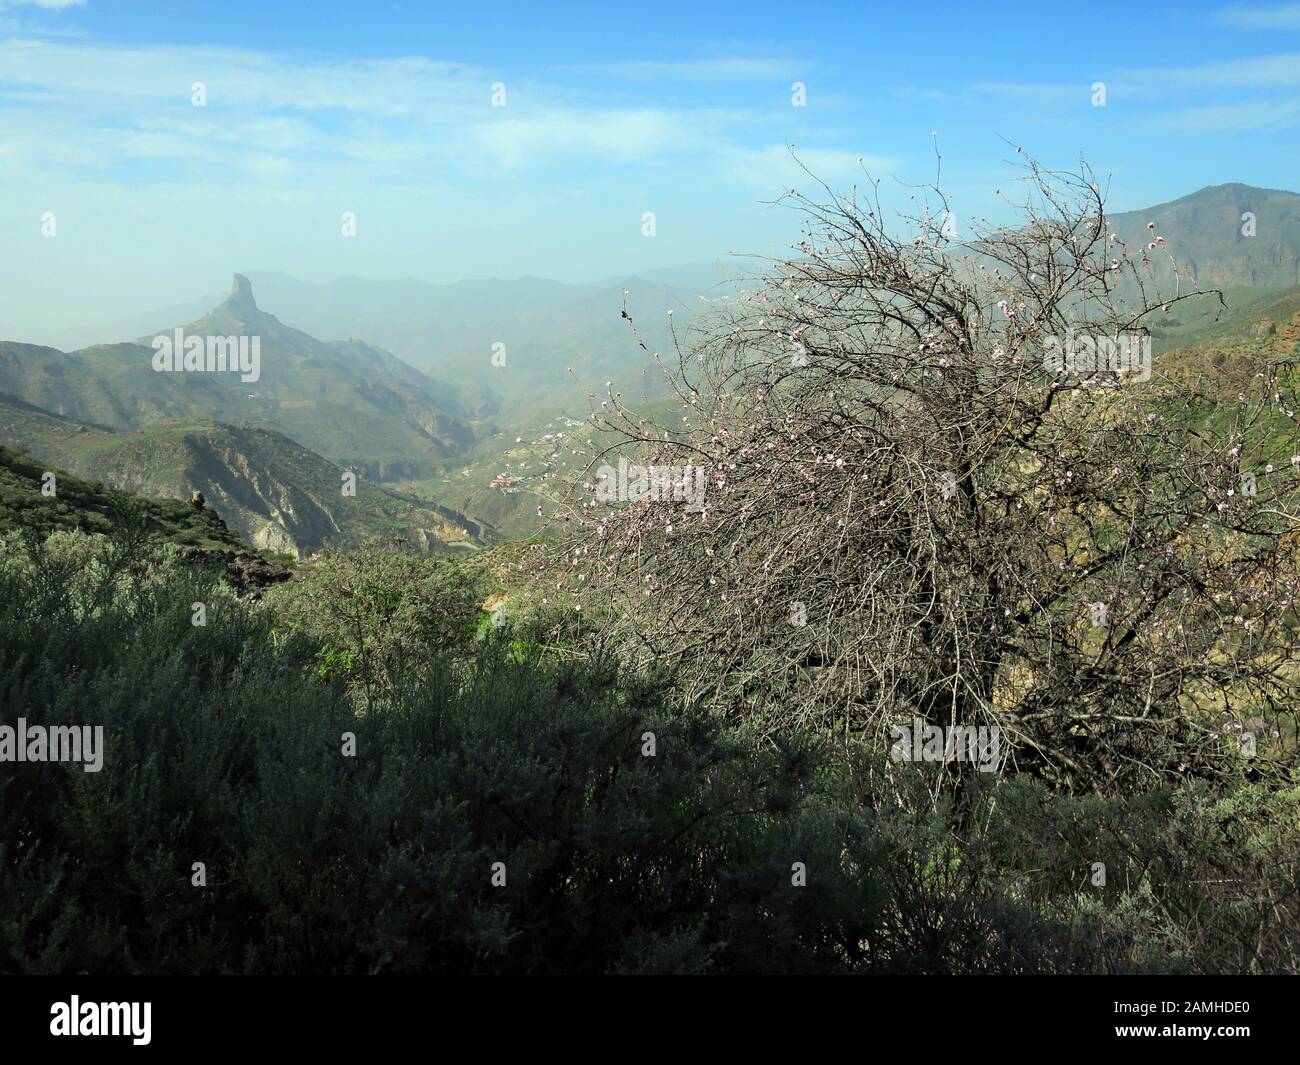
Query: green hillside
x: 1226, y: 358
x: 92, y: 507
x: 512, y: 473
x: 277, y: 494
x: 1207, y: 320
x: 1213, y: 246
x: 352, y: 403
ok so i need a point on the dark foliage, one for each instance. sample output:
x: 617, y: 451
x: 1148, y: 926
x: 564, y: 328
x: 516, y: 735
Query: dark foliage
x: 224, y: 746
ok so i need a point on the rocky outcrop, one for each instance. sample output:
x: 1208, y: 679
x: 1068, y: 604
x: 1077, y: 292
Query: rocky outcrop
x: 248, y: 574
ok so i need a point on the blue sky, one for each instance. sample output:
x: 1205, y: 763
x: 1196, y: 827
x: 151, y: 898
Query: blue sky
x: 683, y: 110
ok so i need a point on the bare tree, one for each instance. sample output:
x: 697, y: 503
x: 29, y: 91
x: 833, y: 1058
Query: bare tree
x: 943, y: 482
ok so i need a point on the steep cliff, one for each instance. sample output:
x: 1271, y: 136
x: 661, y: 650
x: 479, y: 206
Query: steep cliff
x: 277, y: 494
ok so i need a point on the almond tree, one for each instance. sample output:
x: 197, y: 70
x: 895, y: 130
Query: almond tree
x: 942, y: 485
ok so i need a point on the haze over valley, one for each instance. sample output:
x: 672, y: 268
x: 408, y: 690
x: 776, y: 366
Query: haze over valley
x: 406, y: 393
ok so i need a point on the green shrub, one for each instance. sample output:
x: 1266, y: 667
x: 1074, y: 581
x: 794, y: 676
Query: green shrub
x: 225, y: 744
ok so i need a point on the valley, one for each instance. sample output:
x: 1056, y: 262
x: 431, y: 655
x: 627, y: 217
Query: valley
x: 491, y: 456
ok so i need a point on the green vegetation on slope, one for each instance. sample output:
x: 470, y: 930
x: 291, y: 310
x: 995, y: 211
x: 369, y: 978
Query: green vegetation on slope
x: 277, y: 494
x: 635, y: 831
x: 77, y: 504
x: 1206, y: 321
x: 1224, y: 236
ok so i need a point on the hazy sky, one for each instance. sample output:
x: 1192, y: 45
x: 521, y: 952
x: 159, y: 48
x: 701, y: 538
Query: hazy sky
x: 611, y: 110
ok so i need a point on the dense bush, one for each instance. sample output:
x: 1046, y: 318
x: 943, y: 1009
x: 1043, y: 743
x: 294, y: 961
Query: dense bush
x: 225, y: 746
x: 378, y: 611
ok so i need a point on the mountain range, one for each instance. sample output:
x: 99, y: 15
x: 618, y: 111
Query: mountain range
x: 1224, y: 236
x: 277, y: 495
x: 558, y: 342
x: 355, y: 404
x: 414, y: 402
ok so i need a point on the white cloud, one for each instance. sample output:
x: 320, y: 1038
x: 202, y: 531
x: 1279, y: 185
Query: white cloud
x: 107, y: 136
x: 134, y: 102
x: 778, y: 166
x: 1272, y: 17
x: 1257, y: 115
x: 722, y: 69
x: 234, y: 76
x: 1257, y: 72
x: 609, y: 135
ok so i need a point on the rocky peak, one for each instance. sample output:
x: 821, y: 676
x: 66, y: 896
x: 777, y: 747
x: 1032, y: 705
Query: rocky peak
x: 241, y: 292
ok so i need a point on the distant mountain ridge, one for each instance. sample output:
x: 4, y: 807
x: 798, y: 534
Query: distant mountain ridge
x: 449, y: 331
x: 554, y: 343
x: 561, y: 341
x: 1230, y: 235
x: 355, y: 404
x: 516, y: 353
